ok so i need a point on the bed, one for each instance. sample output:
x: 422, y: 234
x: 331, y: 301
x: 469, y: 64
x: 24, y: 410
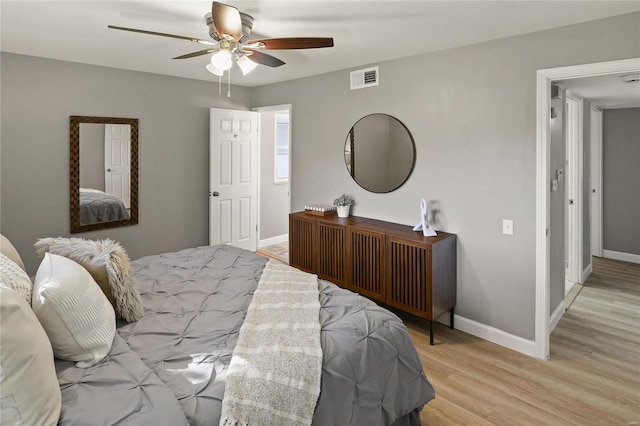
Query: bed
x: 170, y: 367
x: 98, y: 206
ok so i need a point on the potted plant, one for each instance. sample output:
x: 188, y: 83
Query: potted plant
x: 343, y: 204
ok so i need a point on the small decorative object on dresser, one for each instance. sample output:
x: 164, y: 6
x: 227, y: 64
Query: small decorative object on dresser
x: 343, y: 204
x: 319, y: 209
x: 423, y: 225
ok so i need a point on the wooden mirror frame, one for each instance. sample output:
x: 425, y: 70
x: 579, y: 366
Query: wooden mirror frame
x: 74, y: 173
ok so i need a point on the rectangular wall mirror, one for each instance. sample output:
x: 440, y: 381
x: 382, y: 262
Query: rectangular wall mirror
x: 103, y: 172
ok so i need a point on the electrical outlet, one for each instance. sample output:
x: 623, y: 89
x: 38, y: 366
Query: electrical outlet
x: 507, y: 226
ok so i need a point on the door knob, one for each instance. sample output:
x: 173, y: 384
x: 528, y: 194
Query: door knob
x: 109, y: 170
x: 215, y: 193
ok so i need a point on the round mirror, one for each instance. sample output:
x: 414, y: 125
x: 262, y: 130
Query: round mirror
x: 379, y: 153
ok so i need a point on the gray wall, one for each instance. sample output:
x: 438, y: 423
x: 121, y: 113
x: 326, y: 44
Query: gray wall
x: 39, y: 95
x: 472, y: 113
x: 621, y: 180
x: 274, y: 198
x: 92, y: 156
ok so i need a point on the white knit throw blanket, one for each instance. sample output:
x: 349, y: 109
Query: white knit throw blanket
x: 274, y: 373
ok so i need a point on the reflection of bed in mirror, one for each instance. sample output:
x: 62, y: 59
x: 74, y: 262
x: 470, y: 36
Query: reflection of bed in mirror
x: 97, y: 206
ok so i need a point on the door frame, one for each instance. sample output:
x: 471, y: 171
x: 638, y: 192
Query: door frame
x: 544, y: 79
x: 259, y: 110
x: 596, y: 181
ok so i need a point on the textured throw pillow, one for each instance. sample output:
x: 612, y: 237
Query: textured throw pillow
x: 15, y: 278
x: 10, y: 251
x: 76, y: 315
x: 108, y: 263
x: 29, y: 388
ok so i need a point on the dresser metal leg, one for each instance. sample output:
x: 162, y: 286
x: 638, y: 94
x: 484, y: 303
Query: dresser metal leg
x: 431, y: 333
x: 452, y: 312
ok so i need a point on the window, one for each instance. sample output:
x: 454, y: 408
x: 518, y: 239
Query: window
x: 281, y: 148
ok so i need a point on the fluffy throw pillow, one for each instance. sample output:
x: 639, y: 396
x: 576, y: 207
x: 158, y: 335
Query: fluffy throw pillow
x: 29, y: 388
x: 10, y: 251
x: 15, y: 277
x: 108, y: 263
x: 76, y: 315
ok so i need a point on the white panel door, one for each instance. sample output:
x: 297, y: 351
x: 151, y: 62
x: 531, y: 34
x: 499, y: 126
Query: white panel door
x: 117, y: 159
x: 233, y: 178
x: 574, y: 154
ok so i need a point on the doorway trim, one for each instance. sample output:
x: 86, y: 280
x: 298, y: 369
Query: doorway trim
x: 543, y: 213
x: 273, y: 108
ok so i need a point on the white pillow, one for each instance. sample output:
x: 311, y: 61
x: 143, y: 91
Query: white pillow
x: 10, y: 251
x: 15, y: 277
x: 29, y: 387
x: 108, y: 263
x: 76, y: 315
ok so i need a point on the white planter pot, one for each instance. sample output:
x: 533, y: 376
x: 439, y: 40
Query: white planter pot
x: 343, y: 211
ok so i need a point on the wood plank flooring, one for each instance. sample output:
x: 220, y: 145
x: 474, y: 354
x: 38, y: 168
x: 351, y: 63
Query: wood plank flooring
x: 593, y: 376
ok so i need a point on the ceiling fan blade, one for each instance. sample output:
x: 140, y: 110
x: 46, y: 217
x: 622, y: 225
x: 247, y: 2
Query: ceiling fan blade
x: 194, y: 54
x: 292, y: 43
x: 134, y: 30
x: 263, y: 58
x: 227, y: 21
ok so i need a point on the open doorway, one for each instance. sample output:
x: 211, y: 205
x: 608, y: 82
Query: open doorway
x: 545, y: 308
x: 274, y: 190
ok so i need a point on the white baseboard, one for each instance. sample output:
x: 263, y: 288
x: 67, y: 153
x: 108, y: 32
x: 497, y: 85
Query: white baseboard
x: 587, y: 271
x: 625, y: 257
x: 274, y: 240
x: 496, y: 336
x: 555, y: 316
x: 568, y: 285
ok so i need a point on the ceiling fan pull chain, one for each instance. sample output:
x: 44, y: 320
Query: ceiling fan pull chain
x: 219, y: 85
x: 229, y: 85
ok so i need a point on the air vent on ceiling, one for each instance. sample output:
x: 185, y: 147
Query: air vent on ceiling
x: 631, y: 78
x: 365, y: 78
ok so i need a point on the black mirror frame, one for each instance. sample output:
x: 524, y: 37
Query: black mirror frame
x: 350, y: 162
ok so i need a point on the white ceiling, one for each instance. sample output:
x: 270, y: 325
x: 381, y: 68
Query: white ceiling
x: 606, y: 91
x: 365, y: 32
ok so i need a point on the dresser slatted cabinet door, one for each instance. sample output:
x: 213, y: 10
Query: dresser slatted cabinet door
x: 409, y: 276
x: 301, y: 242
x: 366, y: 266
x: 330, y: 257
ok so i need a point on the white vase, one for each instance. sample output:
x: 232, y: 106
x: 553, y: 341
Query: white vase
x: 343, y: 211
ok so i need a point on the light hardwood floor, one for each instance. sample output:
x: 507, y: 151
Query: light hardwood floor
x: 592, y: 378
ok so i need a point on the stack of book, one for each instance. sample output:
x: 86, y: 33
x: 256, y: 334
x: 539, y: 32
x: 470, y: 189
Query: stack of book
x: 320, y: 209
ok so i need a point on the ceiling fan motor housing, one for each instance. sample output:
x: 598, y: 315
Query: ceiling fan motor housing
x: 247, y: 25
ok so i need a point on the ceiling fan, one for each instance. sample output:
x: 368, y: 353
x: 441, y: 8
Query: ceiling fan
x: 230, y: 30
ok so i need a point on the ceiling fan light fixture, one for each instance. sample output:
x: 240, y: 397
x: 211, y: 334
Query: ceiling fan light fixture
x: 222, y: 59
x: 246, y: 65
x: 213, y: 70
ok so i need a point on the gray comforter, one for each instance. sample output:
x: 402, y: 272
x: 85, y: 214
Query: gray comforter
x: 171, y: 364
x: 100, y: 207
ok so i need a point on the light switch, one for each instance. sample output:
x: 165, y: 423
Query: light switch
x: 507, y: 226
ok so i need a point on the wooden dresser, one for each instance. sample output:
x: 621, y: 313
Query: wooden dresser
x: 384, y: 261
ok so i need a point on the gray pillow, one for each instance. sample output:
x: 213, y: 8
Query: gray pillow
x: 108, y: 263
